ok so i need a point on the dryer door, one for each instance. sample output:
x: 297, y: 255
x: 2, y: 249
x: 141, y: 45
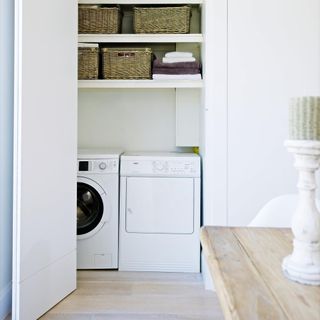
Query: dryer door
x: 160, y: 205
x: 91, y: 207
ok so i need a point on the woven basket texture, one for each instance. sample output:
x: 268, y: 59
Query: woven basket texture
x: 162, y: 19
x: 88, y: 63
x: 123, y: 63
x: 99, y: 20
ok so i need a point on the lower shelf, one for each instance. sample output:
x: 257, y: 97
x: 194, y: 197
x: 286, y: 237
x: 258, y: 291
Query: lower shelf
x: 96, y: 84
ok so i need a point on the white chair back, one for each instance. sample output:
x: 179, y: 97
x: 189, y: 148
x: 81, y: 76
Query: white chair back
x: 277, y: 212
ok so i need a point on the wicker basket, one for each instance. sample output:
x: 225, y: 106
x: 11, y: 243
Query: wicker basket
x: 99, y: 19
x: 123, y: 63
x: 88, y: 63
x: 162, y: 19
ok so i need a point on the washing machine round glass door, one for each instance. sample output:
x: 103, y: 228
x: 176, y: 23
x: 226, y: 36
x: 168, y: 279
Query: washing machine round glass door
x: 90, y: 208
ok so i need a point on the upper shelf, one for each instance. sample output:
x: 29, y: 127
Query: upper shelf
x: 143, y: 84
x: 140, y: 1
x: 142, y: 38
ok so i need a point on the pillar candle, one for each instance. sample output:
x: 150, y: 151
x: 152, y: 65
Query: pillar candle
x: 304, y: 118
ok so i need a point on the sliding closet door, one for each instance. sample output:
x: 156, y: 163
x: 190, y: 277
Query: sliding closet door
x: 45, y: 142
x: 273, y: 54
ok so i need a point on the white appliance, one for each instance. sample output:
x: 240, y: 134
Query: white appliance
x: 97, y: 209
x: 159, y: 212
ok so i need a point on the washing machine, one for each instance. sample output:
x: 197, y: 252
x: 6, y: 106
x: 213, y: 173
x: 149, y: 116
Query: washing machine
x: 97, y: 209
x: 159, y: 212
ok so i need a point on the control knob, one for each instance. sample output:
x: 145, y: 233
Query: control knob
x: 102, y: 165
x: 160, y: 166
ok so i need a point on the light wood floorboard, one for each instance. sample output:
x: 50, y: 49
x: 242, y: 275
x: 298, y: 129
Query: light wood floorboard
x: 137, y: 296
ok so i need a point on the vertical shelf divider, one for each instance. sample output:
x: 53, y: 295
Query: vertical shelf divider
x: 187, y: 117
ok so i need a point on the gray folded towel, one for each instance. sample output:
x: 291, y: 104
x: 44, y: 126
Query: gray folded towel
x: 175, y: 70
x: 157, y: 63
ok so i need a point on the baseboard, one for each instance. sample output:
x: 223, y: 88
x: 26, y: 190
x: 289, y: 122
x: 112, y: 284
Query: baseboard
x: 207, y: 279
x: 5, y: 301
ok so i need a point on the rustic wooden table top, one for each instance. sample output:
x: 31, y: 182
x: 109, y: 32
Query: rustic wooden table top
x: 245, y: 264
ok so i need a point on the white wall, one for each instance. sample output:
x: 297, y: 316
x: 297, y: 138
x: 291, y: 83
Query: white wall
x: 6, y: 131
x: 273, y: 54
x: 131, y: 119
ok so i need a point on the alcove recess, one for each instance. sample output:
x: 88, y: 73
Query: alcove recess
x: 148, y: 115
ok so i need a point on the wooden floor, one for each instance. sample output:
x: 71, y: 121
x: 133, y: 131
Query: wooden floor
x: 137, y: 296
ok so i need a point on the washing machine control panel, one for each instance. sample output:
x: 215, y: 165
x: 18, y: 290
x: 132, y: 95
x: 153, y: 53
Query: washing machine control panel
x: 99, y: 166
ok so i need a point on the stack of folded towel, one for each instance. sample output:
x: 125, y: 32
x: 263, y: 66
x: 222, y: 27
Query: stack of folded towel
x: 176, y: 66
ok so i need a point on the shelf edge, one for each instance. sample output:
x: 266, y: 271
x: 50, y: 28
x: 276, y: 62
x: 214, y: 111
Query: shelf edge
x: 138, y: 84
x: 140, y: 1
x: 142, y: 38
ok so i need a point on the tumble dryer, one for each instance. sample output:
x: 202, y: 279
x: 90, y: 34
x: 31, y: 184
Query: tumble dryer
x: 97, y: 209
x: 159, y: 212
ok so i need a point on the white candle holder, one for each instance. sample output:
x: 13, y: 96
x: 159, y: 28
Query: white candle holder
x: 303, y: 265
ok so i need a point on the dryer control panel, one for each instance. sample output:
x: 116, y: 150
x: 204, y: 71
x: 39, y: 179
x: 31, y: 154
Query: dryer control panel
x: 176, y: 167
x: 99, y: 166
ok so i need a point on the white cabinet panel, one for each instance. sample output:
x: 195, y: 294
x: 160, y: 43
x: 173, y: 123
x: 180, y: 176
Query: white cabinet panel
x: 273, y: 54
x: 187, y: 117
x: 214, y: 114
x: 44, y: 268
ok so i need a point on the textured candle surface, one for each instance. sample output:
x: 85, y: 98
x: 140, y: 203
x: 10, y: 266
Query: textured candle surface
x: 304, y: 118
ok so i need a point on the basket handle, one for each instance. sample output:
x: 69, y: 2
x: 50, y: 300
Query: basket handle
x: 126, y: 54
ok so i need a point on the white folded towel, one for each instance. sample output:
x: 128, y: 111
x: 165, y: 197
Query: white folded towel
x: 176, y: 76
x: 90, y: 6
x: 88, y: 45
x: 178, y: 54
x: 174, y: 60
